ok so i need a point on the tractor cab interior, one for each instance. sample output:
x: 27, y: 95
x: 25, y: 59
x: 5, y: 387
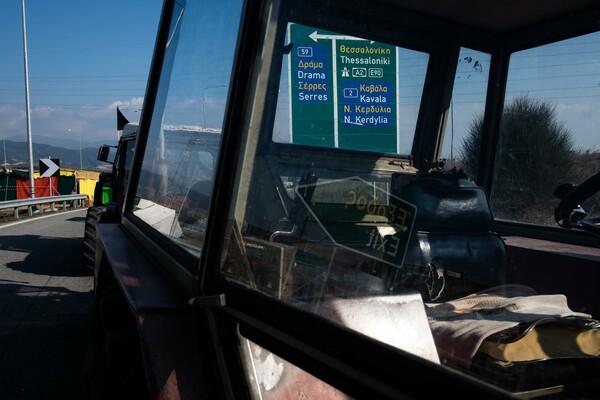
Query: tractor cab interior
x: 353, y: 201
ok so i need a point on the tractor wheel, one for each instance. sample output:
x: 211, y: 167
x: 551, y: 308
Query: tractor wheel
x: 89, y: 240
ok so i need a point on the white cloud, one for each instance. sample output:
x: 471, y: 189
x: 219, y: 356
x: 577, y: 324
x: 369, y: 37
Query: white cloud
x: 93, y: 123
x: 135, y: 103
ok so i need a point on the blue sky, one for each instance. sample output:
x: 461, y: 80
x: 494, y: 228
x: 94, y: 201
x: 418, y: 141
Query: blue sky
x: 565, y: 75
x: 85, y: 58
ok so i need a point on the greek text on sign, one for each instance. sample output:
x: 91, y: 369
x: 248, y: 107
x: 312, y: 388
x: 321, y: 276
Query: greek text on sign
x: 344, y: 91
x: 364, y: 218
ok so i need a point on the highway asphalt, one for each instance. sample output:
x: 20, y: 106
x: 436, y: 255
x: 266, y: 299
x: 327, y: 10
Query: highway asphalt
x: 45, y: 303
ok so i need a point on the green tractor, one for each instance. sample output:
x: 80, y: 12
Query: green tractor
x: 110, y: 187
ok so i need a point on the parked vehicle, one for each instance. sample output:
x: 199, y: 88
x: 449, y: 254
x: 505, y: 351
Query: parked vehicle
x: 346, y: 199
x: 110, y: 187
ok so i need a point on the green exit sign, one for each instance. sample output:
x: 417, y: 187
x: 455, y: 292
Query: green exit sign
x: 364, y: 219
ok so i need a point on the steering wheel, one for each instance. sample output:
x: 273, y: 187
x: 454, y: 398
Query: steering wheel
x: 569, y: 213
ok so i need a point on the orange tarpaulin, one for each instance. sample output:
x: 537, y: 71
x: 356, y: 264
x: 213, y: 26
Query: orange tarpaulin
x: 42, y: 187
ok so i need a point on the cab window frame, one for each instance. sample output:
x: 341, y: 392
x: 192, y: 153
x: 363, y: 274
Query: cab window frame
x: 180, y: 261
x: 272, y: 324
x: 268, y: 322
x: 538, y: 35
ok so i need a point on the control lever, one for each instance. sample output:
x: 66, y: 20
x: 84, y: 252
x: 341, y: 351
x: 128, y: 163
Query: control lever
x: 298, y: 213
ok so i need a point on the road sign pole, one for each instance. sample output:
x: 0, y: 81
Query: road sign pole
x: 27, y: 108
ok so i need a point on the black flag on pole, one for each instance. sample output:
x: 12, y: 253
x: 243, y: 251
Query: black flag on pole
x: 121, y: 120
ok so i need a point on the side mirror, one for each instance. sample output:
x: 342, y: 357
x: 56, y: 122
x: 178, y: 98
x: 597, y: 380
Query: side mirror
x: 103, y: 152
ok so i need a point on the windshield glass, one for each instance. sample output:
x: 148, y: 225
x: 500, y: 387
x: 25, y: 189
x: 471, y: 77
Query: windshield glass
x: 176, y: 180
x: 332, y: 217
x: 323, y: 218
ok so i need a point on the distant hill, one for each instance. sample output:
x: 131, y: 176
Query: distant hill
x: 68, y: 143
x: 16, y: 155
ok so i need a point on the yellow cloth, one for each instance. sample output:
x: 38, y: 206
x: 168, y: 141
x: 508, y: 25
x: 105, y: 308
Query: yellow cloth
x: 547, y: 340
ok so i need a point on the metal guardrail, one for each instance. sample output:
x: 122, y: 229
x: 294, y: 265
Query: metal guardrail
x: 77, y: 200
